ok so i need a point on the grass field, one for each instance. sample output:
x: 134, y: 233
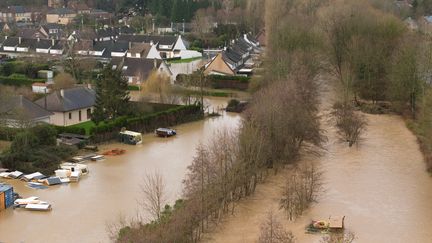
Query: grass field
x: 184, y: 60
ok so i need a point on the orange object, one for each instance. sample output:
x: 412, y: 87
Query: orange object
x: 114, y: 152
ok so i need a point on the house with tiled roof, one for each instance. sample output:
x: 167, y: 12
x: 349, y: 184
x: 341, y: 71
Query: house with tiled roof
x: 21, y: 112
x: 137, y: 70
x: 69, y: 106
x: 163, y: 47
x: 62, y: 16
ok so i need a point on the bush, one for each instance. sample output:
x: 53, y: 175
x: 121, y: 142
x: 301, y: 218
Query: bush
x: 133, y: 87
x: 242, y: 79
x: 8, y: 134
x: 145, y: 123
x: 70, y: 129
x: 18, y: 80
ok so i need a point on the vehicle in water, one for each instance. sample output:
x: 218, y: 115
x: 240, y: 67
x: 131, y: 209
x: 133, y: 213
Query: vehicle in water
x: 165, y: 132
x: 333, y: 224
x: 130, y: 137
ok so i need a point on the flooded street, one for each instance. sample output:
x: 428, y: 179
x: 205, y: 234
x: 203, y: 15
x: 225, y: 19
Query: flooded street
x: 82, y: 210
x: 381, y: 186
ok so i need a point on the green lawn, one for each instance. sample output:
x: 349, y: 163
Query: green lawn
x: 86, y: 125
x: 184, y: 60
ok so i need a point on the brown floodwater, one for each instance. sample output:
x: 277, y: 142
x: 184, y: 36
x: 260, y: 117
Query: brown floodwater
x: 381, y: 186
x: 81, y: 211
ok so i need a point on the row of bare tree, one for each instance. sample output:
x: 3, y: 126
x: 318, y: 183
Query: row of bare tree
x: 281, y: 123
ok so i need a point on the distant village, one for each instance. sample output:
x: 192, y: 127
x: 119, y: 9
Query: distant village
x: 56, y: 33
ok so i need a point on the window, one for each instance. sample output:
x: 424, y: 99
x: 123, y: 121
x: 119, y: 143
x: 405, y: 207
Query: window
x: 70, y: 116
x: 88, y: 114
x: 79, y: 115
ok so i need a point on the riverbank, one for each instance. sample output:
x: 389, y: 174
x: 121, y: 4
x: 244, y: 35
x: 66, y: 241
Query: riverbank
x: 380, y: 186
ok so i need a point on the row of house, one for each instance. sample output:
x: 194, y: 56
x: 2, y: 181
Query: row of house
x: 132, y: 46
x: 236, y: 59
x: 14, y: 46
x: 50, y: 14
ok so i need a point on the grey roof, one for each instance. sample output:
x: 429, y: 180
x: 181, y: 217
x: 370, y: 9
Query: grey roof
x: 59, y: 45
x: 17, y: 9
x: 53, y: 181
x: 14, y: 105
x: 162, y: 40
x: 232, y: 55
x: 61, y: 11
x: 137, y: 66
x: 30, y: 43
x: 11, y: 41
x: 74, y: 99
x: 43, y: 44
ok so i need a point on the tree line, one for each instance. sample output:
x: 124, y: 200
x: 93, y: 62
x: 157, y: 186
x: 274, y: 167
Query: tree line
x: 281, y: 122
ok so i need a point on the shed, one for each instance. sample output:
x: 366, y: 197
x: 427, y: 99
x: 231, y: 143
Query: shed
x: 6, y: 196
x: 33, y: 176
x: 53, y: 181
x: 16, y: 174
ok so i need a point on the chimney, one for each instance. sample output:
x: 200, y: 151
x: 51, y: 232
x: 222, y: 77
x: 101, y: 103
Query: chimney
x: 62, y: 93
x: 19, y: 40
x: 155, y: 63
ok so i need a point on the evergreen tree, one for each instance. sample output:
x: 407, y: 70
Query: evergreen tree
x: 112, y: 95
x: 176, y: 15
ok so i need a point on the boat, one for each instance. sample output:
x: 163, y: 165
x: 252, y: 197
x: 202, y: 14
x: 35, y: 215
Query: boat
x: 165, y: 132
x: 97, y: 157
x: 114, y: 152
x: 24, y: 201
x: 130, y: 137
x: 32, y: 203
x: 38, y: 207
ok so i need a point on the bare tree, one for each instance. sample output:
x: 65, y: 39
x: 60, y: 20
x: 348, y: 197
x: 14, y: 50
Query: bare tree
x: 154, y: 194
x: 348, y: 237
x: 272, y: 231
x: 160, y: 85
x: 301, y: 189
x: 63, y: 81
x: 350, y: 124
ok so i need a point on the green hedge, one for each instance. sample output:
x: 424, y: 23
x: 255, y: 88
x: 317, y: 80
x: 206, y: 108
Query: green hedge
x: 133, y: 87
x: 146, y: 123
x: 242, y: 79
x: 70, y: 129
x: 18, y: 81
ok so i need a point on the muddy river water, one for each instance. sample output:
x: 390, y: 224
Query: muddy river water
x: 82, y: 210
x: 381, y: 186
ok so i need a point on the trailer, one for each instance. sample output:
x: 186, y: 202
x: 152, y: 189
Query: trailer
x: 130, y: 137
